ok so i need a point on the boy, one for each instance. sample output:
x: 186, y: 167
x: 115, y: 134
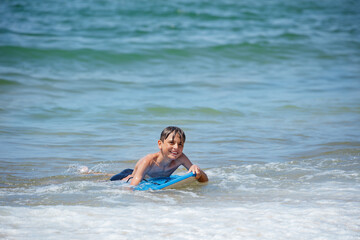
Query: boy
x: 164, y: 162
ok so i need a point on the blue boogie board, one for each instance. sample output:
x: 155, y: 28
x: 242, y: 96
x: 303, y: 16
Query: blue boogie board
x: 165, y: 182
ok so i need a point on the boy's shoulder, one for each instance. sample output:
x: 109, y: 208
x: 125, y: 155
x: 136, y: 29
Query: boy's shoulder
x: 150, y: 158
x: 152, y: 155
x: 182, y: 158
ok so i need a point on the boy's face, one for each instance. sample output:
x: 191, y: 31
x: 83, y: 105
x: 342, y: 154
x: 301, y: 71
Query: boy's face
x: 172, y: 146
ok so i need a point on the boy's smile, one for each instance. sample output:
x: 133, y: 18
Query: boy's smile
x: 172, y: 147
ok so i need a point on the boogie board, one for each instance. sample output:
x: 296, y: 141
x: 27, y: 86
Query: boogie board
x: 173, y: 181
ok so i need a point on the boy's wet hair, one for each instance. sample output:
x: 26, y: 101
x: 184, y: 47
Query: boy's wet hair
x: 171, y: 129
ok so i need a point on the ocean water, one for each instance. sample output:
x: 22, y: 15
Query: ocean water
x: 268, y: 93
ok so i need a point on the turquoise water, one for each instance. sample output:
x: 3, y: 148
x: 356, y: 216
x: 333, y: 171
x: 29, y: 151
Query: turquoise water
x: 268, y: 93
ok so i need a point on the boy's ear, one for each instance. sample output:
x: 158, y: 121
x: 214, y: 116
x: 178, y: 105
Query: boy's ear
x: 159, y: 144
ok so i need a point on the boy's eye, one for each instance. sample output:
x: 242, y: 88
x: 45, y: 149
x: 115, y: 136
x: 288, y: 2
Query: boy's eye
x: 173, y: 143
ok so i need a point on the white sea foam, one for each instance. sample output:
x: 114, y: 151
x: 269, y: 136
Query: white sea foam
x: 81, y: 169
x: 282, y: 200
x: 154, y: 221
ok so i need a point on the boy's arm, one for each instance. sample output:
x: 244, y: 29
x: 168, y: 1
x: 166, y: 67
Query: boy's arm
x: 140, y: 170
x: 200, y: 174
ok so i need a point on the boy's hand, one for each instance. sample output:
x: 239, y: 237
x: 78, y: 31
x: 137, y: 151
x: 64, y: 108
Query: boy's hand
x: 196, y: 170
